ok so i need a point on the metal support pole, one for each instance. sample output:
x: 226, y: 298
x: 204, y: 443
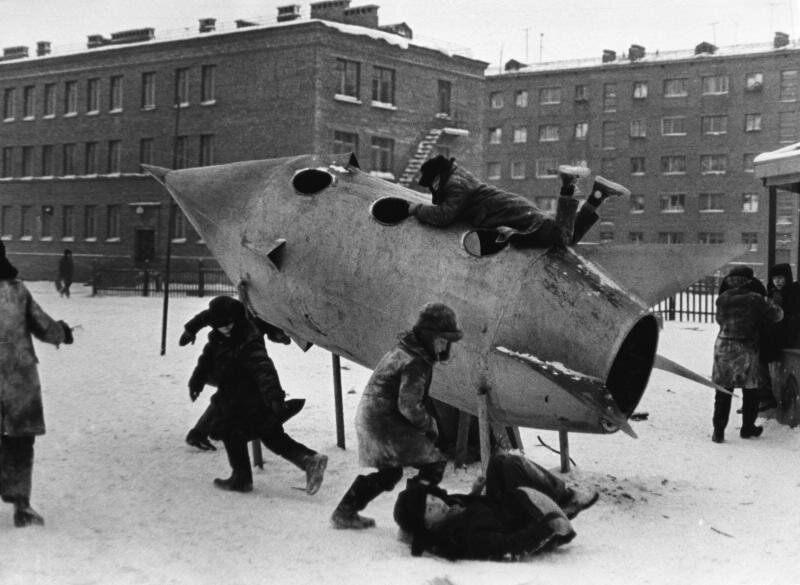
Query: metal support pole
x: 563, y: 442
x: 337, y: 397
x: 772, y: 216
x: 484, y: 429
x: 258, y: 456
x: 462, y: 438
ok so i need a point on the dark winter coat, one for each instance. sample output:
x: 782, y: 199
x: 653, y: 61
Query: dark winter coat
x: 21, y: 412
x: 66, y: 268
x: 393, y: 421
x: 784, y: 333
x: 741, y: 315
x: 248, y: 388
x: 464, y: 198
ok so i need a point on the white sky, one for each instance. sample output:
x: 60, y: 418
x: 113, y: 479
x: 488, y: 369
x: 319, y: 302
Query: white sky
x: 492, y: 29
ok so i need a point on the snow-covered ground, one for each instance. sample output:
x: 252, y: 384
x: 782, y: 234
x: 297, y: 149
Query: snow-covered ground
x: 128, y: 502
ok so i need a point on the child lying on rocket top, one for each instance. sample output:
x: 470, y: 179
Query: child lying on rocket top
x: 459, y: 196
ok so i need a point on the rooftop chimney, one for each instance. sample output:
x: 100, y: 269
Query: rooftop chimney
x: 208, y: 25
x: 609, y: 56
x: 705, y: 48
x: 42, y: 48
x: 636, y: 52
x: 366, y: 16
x: 513, y: 65
x: 781, y: 40
x: 288, y: 12
x: 330, y: 10
x: 93, y: 41
x: 15, y: 52
x: 135, y: 35
x: 401, y: 29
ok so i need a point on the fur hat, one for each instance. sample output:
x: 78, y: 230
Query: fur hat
x: 439, y: 320
x: 7, y: 270
x: 434, y: 167
x: 409, y: 513
x: 224, y: 310
x: 741, y: 271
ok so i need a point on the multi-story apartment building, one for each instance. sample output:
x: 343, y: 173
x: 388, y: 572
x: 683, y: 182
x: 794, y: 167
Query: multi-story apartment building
x: 76, y: 125
x: 680, y: 129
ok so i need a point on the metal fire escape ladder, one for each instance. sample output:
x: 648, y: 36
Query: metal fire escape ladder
x: 422, y: 153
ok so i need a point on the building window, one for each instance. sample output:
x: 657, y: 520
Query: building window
x: 349, y: 73
x: 5, y: 222
x: 676, y: 88
x: 608, y: 138
x: 146, y: 151
x: 70, y: 98
x: 752, y: 122
x: 748, y: 162
x: 714, y: 84
x: 673, y: 202
x: 382, y: 154
x: 749, y: 202
x: 27, y: 161
x: 69, y: 166
x: 582, y: 93
x: 29, y: 102
x: 549, y: 95
x: 713, y: 164
x: 636, y: 237
x: 114, y: 156
x: 345, y: 142
x: 444, y: 93
x: 750, y: 239
x: 788, y: 87
x: 673, y: 126
x: 520, y: 134
x: 521, y: 99
x: 49, y: 100
x: 517, y: 169
x: 711, y: 202
x: 495, y: 135
x: 90, y: 159
x: 609, y: 97
x: 606, y: 237
x: 90, y: 222
x: 493, y: 171
x: 638, y: 128
x: 178, y: 226
x: 115, y: 93
x: 149, y: 90
x: 68, y: 222
x: 710, y: 238
x: 93, y: 96
x: 46, y: 222
x: 8, y: 104
x: 670, y: 237
x: 112, y: 222
x: 546, y: 204
x: 208, y: 84
x: 637, y: 165
x: 181, y: 152
x: 549, y: 133
x: 26, y: 222
x: 206, y: 150
x: 47, y: 160
x: 714, y: 125
x: 581, y: 131
x: 8, y: 161
x: 637, y: 204
x: 181, y: 87
x: 753, y: 81
x: 496, y: 100
x: 546, y: 168
x: 639, y: 90
x: 383, y: 85
x: 787, y: 126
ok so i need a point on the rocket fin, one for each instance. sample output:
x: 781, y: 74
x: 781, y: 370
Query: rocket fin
x: 668, y: 365
x: 273, y: 252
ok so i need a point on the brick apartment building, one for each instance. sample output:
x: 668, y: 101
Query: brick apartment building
x: 77, y: 124
x: 680, y: 129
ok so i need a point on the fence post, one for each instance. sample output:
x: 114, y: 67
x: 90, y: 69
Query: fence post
x: 201, y: 278
x: 671, y: 308
x: 146, y: 284
x: 95, y: 277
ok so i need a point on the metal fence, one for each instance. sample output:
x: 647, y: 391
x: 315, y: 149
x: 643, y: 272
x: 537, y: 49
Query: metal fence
x: 147, y: 281
x: 697, y: 303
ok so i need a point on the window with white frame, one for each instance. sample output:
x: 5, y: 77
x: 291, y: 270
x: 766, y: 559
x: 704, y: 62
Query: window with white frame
x: 609, y: 97
x: 26, y: 222
x: 112, y: 222
x: 115, y: 93
x: 520, y: 134
x: 636, y: 237
x: 90, y: 222
x: 6, y: 166
x: 27, y: 161
x: 114, y: 156
x: 546, y: 168
x: 48, y: 157
x: 69, y: 159
x: 714, y: 84
x: 382, y: 154
x: 546, y: 204
x: 581, y: 93
x: 9, y: 107
x: 68, y: 222
x: 383, y: 87
x: 788, y: 86
x: 750, y: 239
x: 749, y: 202
x: 639, y: 90
x: 673, y: 202
x: 148, y: 90
x: 670, y: 237
x: 496, y: 100
x: 550, y: 95
x: 713, y: 164
x: 676, y: 87
x: 495, y: 135
x: 208, y: 84
x: 444, y: 92
x: 349, y: 78
x: 711, y: 202
x: 49, y: 100
x: 753, y: 81
x: 673, y: 164
x: 637, y: 165
x: 608, y: 137
x: 549, y: 133
x: 714, y: 125
x: 46, y: 222
x: 673, y: 126
x: 181, y: 146
x: 639, y: 128
x: 5, y: 222
x: 637, y: 203
x: 181, y: 86
x: 787, y: 126
x: 581, y: 130
x: 748, y: 162
x: 70, y: 98
x: 710, y: 238
x: 90, y: 158
x: 29, y: 102
x: 178, y: 226
x: 752, y: 122
x: 521, y: 98
x: 146, y: 151
x: 517, y: 169
x: 493, y: 172
x: 206, y: 150
x: 93, y: 96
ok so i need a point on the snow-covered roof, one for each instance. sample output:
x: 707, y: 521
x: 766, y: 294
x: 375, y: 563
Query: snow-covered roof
x: 779, y: 168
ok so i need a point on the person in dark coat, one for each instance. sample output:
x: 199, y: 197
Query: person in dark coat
x: 198, y: 434
x: 66, y: 268
x: 785, y: 293
x: 741, y: 315
x: 459, y: 196
x: 525, y: 509
x: 21, y: 409
x: 249, y: 402
x: 394, y: 420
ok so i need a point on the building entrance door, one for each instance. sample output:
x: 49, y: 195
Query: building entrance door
x: 145, y: 246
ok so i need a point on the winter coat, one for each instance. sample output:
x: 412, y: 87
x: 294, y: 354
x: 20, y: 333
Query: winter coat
x: 782, y: 334
x: 66, y: 268
x: 21, y: 411
x: 464, y: 198
x: 394, y: 414
x: 741, y: 314
x: 248, y: 388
